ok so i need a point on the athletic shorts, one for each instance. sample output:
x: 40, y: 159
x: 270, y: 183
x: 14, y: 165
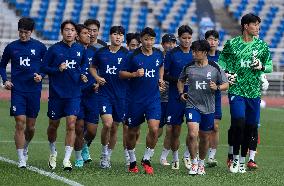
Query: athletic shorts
x: 205, y: 121
x: 25, y: 103
x: 89, y: 109
x: 163, y: 114
x: 58, y: 108
x: 175, y: 112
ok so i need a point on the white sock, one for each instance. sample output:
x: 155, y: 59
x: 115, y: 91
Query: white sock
x: 20, y: 153
x: 126, y: 154
x: 104, y: 150
x: 68, y: 152
x: 236, y: 157
x: 242, y: 159
x: 175, y: 156
x: 52, y: 148
x: 148, y: 153
x: 109, y: 152
x: 186, y: 153
x: 164, y: 154
x: 201, y: 162
x: 252, y: 154
x: 230, y: 150
x: 78, y: 155
x: 212, y: 153
x: 195, y: 161
x: 132, y: 155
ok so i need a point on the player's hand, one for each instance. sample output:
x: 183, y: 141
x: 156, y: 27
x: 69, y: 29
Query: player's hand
x: 231, y: 78
x: 62, y: 67
x: 37, y: 77
x: 140, y: 72
x: 256, y: 63
x: 84, y: 78
x: 264, y: 81
x: 183, y: 96
x: 101, y: 80
x: 213, y: 85
x: 96, y: 87
x: 8, y: 85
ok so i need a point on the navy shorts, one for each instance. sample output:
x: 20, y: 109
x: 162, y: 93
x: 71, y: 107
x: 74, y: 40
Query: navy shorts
x: 25, y: 103
x: 247, y: 108
x: 163, y: 114
x: 89, y: 109
x: 137, y: 112
x: 175, y: 112
x: 115, y: 107
x: 58, y: 108
x: 205, y: 121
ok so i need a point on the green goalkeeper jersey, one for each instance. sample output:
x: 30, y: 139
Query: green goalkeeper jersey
x: 237, y: 57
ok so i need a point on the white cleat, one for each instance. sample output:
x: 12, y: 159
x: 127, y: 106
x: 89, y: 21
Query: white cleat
x: 104, y: 163
x: 187, y: 162
x: 201, y: 170
x: 22, y: 164
x: 193, y: 169
x: 52, y: 161
x: 175, y: 165
x: 164, y: 162
x: 67, y: 165
x: 234, y: 168
x: 242, y: 168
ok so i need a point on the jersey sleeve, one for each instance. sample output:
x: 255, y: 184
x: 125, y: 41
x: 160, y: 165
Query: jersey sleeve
x: 167, y: 62
x: 4, y: 62
x: 42, y: 53
x: 222, y: 78
x: 126, y: 66
x: 47, y: 66
x: 183, y: 75
x: 96, y: 62
x: 226, y: 58
x: 266, y: 60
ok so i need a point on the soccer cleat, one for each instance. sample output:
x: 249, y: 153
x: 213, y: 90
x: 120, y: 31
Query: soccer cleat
x: 79, y: 163
x: 187, y: 162
x: 67, y: 165
x: 104, y: 163
x: 201, y: 170
x: 175, y: 165
x: 212, y: 162
x: 22, y: 164
x: 242, y: 168
x: 86, y: 154
x: 147, y: 167
x: 164, y: 162
x: 193, y: 169
x: 234, y: 168
x: 229, y: 162
x: 133, y: 167
x: 52, y: 161
x: 252, y: 165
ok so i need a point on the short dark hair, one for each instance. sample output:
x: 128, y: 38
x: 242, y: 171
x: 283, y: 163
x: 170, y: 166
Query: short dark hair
x: 80, y: 27
x: 184, y: 29
x: 65, y: 23
x: 26, y: 23
x: 148, y: 31
x: 89, y: 22
x: 213, y: 33
x: 200, y: 45
x: 130, y: 36
x: 249, y: 18
x: 117, y: 29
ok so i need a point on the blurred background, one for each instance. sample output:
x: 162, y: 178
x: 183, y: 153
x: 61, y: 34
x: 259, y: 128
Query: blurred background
x: 165, y: 16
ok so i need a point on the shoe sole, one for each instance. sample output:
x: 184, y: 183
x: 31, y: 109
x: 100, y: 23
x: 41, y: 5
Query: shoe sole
x: 67, y: 168
x: 88, y: 161
x: 50, y: 167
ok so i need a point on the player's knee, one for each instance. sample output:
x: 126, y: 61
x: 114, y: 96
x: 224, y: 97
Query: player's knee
x: 70, y: 127
x: 20, y: 126
x: 30, y: 129
x: 193, y: 135
x: 79, y: 130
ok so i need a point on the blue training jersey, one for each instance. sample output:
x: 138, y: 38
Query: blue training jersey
x: 108, y: 65
x: 65, y: 84
x: 175, y: 60
x: 145, y: 88
x: 26, y: 59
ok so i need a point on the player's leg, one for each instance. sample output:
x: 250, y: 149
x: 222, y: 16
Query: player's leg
x: 79, y: 141
x: 113, y: 138
x: 124, y: 139
x: 175, y: 145
x: 213, y: 143
x: 230, y: 149
x: 52, y: 136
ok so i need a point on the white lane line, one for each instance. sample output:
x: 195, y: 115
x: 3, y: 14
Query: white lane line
x: 51, y: 175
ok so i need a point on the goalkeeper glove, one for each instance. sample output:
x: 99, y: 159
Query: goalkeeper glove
x: 264, y: 82
x: 256, y: 63
x: 231, y: 77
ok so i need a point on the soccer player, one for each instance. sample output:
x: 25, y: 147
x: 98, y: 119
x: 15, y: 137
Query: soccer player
x: 175, y: 60
x: 245, y: 58
x: 88, y: 117
x: 94, y: 27
x: 144, y: 68
x: 132, y: 41
x: 112, y: 92
x: 212, y: 36
x: 62, y: 63
x: 168, y: 43
x: 26, y: 56
x: 204, y: 77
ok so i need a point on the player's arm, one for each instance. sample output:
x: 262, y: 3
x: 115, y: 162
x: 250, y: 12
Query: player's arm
x: 126, y: 71
x: 83, y: 66
x: 180, y: 85
x: 47, y: 66
x: 162, y: 85
x: 268, y: 64
x: 3, y: 64
x: 224, y: 83
x: 94, y: 72
x: 167, y: 66
x: 38, y: 76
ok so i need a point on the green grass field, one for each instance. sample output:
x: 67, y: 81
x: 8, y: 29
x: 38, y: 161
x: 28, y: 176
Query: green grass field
x: 270, y: 157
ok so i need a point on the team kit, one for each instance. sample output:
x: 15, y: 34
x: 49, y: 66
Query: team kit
x: 127, y: 86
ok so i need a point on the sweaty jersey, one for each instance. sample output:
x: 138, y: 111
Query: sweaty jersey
x: 145, y: 88
x: 175, y: 61
x: 108, y: 65
x: 237, y: 56
x: 65, y: 84
x: 200, y: 96
x: 26, y: 59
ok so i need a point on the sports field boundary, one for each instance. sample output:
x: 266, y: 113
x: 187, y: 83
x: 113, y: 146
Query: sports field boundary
x: 51, y: 175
